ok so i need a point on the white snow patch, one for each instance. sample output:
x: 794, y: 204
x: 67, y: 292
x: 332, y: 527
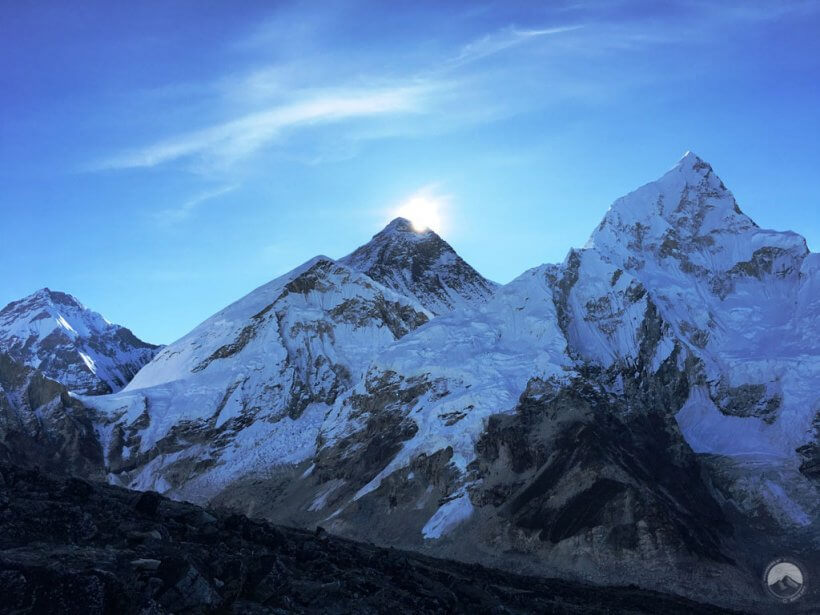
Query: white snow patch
x: 321, y: 499
x: 64, y: 323
x: 707, y: 430
x: 89, y: 362
x: 662, y: 352
x: 778, y: 497
x: 309, y: 471
x: 448, y: 516
x: 334, y: 514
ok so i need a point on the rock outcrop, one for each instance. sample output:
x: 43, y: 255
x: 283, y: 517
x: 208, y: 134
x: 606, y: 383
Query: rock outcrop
x: 42, y: 425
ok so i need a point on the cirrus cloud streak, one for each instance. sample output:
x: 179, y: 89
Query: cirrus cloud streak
x: 237, y: 138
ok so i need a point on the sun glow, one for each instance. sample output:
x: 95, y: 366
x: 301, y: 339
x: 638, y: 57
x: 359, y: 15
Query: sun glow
x: 424, y: 210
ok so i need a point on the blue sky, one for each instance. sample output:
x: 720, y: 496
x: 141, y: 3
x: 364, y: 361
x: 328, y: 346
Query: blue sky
x: 161, y: 159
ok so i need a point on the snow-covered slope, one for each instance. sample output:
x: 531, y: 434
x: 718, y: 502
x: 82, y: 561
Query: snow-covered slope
x: 462, y: 367
x: 420, y: 265
x: 248, y: 387
x: 69, y: 343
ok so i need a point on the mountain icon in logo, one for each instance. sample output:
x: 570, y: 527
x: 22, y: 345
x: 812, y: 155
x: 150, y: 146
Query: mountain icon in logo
x: 784, y: 579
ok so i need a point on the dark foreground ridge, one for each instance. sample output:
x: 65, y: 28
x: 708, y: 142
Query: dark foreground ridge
x: 70, y: 546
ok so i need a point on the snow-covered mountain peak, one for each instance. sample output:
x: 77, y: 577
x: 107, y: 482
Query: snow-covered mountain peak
x: 422, y: 266
x: 45, y: 299
x: 258, y: 375
x: 70, y: 343
x: 691, y: 159
x: 401, y: 232
x: 403, y: 225
x: 46, y: 311
x: 319, y: 298
x: 53, y: 297
x: 696, y: 173
x: 688, y: 215
x: 736, y: 296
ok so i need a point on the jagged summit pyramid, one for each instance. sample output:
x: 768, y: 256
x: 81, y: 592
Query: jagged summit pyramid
x: 421, y: 265
x: 740, y: 298
x: 687, y: 204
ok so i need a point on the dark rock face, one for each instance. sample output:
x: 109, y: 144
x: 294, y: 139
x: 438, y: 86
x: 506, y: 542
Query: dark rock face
x: 360, y: 456
x: 616, y: 485
x: 69, y: 546
x: 42, y: 425
x: 810, y: 453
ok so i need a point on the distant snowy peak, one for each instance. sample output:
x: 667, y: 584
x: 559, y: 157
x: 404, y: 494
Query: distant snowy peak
x: 422, y: 266
x: 53, y: 332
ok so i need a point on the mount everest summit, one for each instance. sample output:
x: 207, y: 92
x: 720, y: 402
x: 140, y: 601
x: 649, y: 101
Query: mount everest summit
x: 422, y: 266
x: 645, y: 412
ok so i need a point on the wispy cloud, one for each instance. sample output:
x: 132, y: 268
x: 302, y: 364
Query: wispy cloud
x: 237, y: 138
x: 502, y: 40
x: 267, y: 103
x: 176, y: 215
x: 391, y: 93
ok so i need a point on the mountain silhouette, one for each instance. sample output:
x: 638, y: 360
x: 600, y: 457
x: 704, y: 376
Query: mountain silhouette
x: 785, y: 586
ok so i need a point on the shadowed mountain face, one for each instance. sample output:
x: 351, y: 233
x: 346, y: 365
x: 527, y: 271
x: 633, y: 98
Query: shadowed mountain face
x: 71, y: 344
x: 644, y: 412
x: 567, y: 466
x: 42, y: 425
x: 69, y: 546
